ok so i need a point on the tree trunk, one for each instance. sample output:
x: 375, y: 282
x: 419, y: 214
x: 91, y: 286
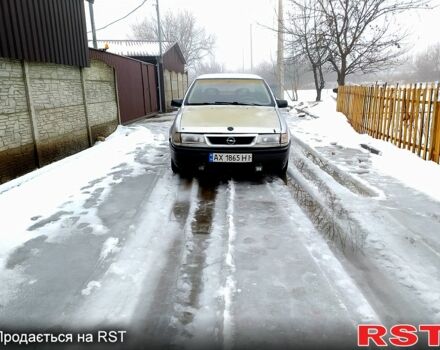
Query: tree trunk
x: 341, y: 79
x: 343, y: 72
x: 318, y: 88
x: 321, y: 83
x: 318, y: 94
x: 318, y: 77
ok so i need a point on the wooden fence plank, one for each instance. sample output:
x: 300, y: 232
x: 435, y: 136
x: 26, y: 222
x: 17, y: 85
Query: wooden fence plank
x: 394, y: 115
x: 382, y: 115
x: 367, y: 115
x: 435, y: 132
x: 387, y: 113
x: 407, y: 116
x: 365, y: 108
x: 409, y: 122
x: 414, y: 111
x: 379, y: 113
x: 401, y: 116
x: 415, y: 120
x: 421, y: 124
x: 426, y: 151
x: 373, y: 110
x: 359, y: 106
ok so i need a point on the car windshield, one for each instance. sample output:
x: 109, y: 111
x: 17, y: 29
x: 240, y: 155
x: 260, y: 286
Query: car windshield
x: 252, y: 92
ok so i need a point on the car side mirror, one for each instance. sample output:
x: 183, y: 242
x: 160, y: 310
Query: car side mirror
x: 176, y: 103
x: 282, y: 104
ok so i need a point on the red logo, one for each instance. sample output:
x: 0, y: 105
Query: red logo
x: 401, y: 335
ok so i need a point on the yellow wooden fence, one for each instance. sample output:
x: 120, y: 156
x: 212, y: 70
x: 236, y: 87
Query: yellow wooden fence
x: 408, y: 116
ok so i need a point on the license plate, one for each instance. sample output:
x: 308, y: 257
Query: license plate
x: 230, y: 157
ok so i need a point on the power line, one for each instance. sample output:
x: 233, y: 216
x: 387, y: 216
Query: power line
x: 120, y: 19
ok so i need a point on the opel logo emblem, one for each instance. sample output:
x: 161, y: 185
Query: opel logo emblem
x: 230, y: 140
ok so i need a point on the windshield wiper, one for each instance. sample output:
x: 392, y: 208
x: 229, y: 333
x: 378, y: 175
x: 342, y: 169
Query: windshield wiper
x: 200, y: 103
x: 236, y: 103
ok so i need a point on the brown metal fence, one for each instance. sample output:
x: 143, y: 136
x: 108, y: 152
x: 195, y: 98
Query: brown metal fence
x: 407, y: 116
x: 136, y: 82
x: 44, y: 31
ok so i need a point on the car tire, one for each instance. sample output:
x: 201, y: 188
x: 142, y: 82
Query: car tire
x: 175, y: 168
x: 282, y: 172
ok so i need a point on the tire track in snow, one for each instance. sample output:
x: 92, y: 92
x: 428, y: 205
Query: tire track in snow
x: 280, y: 297
x: 347, y: 181
x: 155, y: 322
x: 230, y: 285
x: 127, y: 288
x: 344, y: 288
x: 378, y: 273
x: 196, y: 233
x: 203, y: 268
x: 196, y: 309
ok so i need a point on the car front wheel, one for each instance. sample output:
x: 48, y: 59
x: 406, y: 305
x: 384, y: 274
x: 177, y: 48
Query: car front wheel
x: 283, y: 171
x: 174, y: 168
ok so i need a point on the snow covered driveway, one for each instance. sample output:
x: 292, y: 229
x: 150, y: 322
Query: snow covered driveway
x: 110, y: 238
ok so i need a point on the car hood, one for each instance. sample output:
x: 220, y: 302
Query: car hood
x: 243, y: 119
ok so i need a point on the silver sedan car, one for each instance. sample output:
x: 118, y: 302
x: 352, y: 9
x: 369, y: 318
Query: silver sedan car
x: 229, y: 121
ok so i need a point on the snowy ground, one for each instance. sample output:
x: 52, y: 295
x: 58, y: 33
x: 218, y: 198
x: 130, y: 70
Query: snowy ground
x: 110, y: 238
x: 392, y: 200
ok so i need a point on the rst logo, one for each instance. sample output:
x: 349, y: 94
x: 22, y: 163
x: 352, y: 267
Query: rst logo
x: 403, y: 335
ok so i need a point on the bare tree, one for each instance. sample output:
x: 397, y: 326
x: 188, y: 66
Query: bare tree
x: 359, y: 35
x: 295, y: 68
x: 307, y: 32
x: 207, y: 67
x: 179, y: 27
x: 268, y: 71
x: 427, y: 64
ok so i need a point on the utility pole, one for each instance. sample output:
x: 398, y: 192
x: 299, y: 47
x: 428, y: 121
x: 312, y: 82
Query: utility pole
x: 92, y: 21
x: 160, y: 60
x: 252, y: 54
x: 242, y: 56
x: 280, y: 51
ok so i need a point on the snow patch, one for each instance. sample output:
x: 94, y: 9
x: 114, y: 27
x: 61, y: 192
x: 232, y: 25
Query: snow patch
x: 9, y: 279
x: 90, y: 287
x: 133, y: 277
x: 397, y: 242
x: 68, y: 186
x: 333, y: 129
x: 110, y: 246
x: 349, y: 296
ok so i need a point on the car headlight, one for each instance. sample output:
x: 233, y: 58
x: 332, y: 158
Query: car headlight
x: 268, y: 139
x: 193, y: 138
x: 284, y: 139
x: 176, y: 137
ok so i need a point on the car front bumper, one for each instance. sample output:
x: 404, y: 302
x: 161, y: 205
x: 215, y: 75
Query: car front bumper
x: 273, y: 158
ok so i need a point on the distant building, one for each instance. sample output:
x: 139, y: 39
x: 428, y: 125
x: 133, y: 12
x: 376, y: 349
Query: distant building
x: 174, y: 78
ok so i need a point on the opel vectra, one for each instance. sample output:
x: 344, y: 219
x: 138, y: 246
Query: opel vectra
x: 229, y: 121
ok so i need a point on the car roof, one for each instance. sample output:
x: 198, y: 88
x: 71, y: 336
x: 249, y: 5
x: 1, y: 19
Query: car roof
x: 229, y: 76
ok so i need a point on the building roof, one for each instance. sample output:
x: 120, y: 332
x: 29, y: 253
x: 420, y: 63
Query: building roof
x: 229, y: 76
x: 134, y: 47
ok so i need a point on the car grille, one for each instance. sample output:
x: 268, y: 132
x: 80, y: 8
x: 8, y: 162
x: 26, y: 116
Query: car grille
x: 227, y: 140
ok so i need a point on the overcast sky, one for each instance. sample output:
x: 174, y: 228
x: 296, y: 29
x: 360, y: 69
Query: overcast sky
x: 230, y: 21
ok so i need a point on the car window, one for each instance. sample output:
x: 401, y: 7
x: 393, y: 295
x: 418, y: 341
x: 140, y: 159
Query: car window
x: 229, y: 91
